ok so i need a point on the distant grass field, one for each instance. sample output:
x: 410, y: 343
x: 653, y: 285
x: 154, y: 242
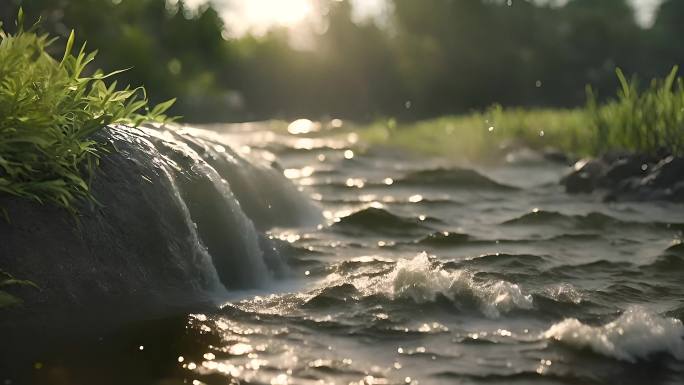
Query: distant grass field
x: 481, y: 135
x: 645, y: 120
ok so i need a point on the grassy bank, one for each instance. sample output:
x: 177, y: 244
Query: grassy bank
x: 49, y: 112
x: 638, y: 119
x: 483, y: 134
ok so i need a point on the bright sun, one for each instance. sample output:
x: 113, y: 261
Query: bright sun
x: 259, y: 15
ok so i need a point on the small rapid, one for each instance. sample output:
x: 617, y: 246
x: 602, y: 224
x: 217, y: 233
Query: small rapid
x: 422, y: 280
x: 231, y: 247
x: 232, y: 198
x: 636, y: 334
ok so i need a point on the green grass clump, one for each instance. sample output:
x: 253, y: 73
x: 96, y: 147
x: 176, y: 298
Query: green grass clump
x: 650, y: 121
x: 49, y: 112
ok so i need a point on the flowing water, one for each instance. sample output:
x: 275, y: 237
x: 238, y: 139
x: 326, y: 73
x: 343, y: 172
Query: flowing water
x: 419, y: 271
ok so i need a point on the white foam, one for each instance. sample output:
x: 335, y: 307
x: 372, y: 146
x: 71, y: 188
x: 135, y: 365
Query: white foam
x: 637, y: 333
x: 417, y: 279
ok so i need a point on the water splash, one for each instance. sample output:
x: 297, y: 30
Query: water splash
x: 636, y: 334
x: 422, y: 280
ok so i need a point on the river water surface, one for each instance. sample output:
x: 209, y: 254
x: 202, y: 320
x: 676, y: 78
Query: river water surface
x: 426, y: 271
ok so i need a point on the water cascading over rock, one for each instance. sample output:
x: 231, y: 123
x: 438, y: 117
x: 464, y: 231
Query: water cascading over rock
x: 179, y: 219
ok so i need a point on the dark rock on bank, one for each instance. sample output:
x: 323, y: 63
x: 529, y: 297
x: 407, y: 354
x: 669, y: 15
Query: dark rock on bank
x: 585, y: 177
x: 166, y: 234
x: 129, y: 252
x: 629, y: 177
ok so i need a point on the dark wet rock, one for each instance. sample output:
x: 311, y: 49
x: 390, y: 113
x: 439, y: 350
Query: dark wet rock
x: 666, y: 174
x: 625, y: 168
x: 130, y: 251
x: 630, y: 177
x: 579, y: 182
x: 166, y: 233
x: 585, y: 177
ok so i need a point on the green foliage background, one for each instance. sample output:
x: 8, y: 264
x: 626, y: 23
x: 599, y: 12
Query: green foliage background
x: 445, y: 57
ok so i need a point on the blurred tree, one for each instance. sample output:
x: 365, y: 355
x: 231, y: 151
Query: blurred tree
x: 667, y: 34
x: 599, y: 36
x: 360, y: 76
x: 170, y: 49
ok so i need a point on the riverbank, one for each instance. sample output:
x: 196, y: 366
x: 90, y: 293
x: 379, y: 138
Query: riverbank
x: 642, y: 120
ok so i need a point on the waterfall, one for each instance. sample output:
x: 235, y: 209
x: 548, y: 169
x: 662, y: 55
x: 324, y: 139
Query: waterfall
x: 204, y: 176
